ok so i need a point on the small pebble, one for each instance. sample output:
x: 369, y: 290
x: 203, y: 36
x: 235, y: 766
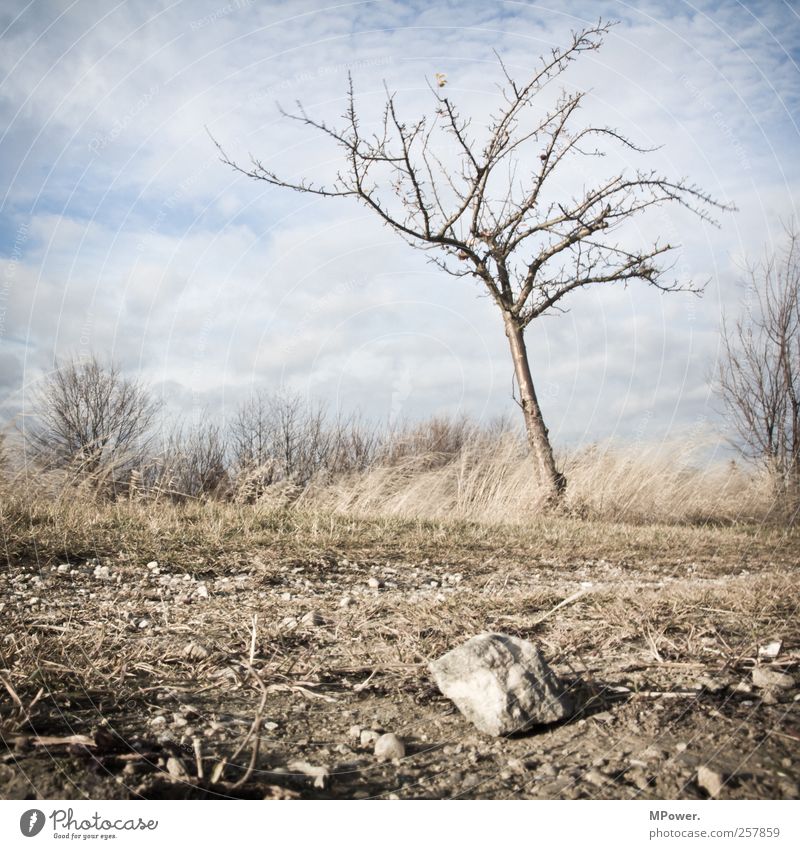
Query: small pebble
x: 389, y: 747
x: 594, y: 776
x: 368, y: 737
x: 710, y: 780
x: 176, y: 769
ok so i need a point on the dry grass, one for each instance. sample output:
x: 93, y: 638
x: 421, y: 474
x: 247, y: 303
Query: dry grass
x: 494, y: 481
x: 462, y: 549
x: 39, y: 529
x: 666, y: 605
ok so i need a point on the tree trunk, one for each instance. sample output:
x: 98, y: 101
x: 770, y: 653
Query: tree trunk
x: 538, y: 438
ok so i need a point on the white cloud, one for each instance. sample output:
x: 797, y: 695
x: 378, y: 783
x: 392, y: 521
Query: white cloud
x: 142, y: 245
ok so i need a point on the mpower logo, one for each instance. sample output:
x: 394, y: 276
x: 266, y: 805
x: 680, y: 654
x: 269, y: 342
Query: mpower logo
x: 31, y: 822
x: 65, y: 823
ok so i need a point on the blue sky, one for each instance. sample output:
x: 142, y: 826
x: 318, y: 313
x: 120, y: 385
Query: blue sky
x: 122, y: 234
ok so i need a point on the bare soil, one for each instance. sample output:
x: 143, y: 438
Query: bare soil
x: 201, y: 678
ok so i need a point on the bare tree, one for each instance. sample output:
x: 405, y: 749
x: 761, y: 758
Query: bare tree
x: 89, y: 416
x: 759, y: 373
x: 498, y: 214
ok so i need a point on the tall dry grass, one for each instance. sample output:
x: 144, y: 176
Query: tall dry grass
x: 495, y: 481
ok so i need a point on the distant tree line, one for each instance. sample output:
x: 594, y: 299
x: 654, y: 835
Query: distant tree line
x: 97, y: 425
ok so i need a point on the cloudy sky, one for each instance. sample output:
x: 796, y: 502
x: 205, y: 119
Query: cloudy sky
x: 121, y: 233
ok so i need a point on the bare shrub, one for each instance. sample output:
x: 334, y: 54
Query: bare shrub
x: 192, y: 464
x: 759, y: 372
x: 282, y: 437
x: 353, y: 445
x: 92, y: 420
x: 277, y: 437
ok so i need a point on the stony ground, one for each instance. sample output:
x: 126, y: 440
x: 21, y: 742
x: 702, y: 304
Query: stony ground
x: 262, y: 669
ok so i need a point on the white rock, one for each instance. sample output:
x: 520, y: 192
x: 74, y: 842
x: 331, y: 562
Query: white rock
x: 770, y: 650
x: 176, y: 769
x: 389, y: 747
x: 710, y: 780
x: 143, y: 623
x: 347, y: 601
x: 63, y: 569
x: 202, y: 591
x: 594, y: 776
x: 769, y: 678
x: 374, y: 583
x: 501, y: 684
x: 368, y: 737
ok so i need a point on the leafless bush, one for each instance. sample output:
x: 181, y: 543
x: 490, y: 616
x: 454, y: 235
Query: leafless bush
x: 759, y: 374
x: 354, y: 445
x: 92, y: 420
x: 193, y: 463
x: 281, y: 437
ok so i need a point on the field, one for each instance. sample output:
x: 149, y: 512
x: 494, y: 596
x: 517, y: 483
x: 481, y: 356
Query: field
x: 214, y: 649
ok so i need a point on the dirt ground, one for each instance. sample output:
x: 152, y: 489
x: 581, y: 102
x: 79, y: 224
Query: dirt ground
x: 251, y: 674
